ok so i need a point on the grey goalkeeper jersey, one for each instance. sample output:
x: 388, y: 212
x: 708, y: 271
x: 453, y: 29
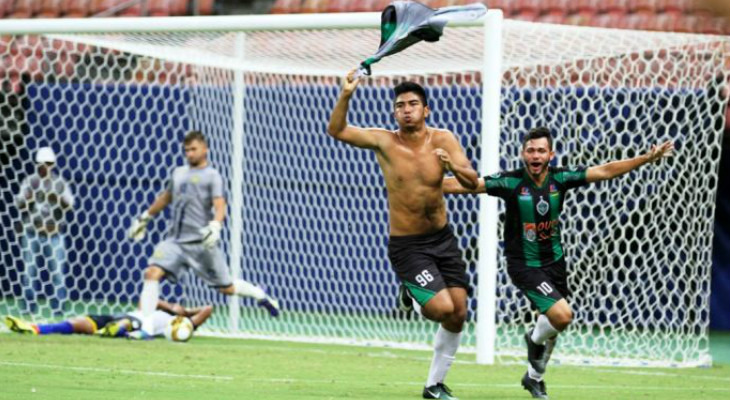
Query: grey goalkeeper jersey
x: 193, y: 191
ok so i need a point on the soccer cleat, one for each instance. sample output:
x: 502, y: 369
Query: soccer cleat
x: 114, y: 329
x: 438, y: 391
x: 536, y: 388
x: 269, y: 303
x: 405, y: 302
x: 20, y: 326
x: 139, y: 335
x: 535, y: 354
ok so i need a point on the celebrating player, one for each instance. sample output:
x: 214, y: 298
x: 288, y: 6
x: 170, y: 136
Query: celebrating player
x: 118, y: 325
x: 534, y: 198
x: 422, y: 247
x: 198, y: 209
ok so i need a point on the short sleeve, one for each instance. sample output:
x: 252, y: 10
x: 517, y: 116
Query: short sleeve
x: 571, y: 177
x: 499, y: 185
x: 216, y: 186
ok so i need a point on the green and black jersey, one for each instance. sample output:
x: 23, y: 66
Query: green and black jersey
x: 532, y: 224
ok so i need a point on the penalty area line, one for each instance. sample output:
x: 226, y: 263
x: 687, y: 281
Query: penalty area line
x: 117, y: 371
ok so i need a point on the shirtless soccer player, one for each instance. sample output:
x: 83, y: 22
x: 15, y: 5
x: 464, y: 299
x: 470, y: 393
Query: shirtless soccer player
x: 534, y: 198
x: 422, y: 247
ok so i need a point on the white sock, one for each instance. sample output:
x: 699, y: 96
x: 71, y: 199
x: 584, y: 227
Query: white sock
x: 417, y: 307
x: 148, y: 302
x: 543, y: 330
x: 444, y: 350
x: 533, y: 374
x: 246, y: 289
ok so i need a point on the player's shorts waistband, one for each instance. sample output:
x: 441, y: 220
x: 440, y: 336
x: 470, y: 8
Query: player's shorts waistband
x: 424, y: 238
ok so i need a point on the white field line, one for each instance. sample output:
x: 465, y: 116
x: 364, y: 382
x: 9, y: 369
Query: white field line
x: 117, y: 371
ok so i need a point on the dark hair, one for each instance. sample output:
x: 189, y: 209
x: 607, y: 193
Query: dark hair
x: 194, y: 135
x: 537, y: 133
x: 407, y: 87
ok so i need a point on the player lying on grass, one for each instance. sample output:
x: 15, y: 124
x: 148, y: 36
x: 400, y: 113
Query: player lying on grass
x: 118, y: 325
x: 534, y: 198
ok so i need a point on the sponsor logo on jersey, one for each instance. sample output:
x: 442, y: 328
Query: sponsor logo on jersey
x: 543, y: 206
x: 525, y: 191
x: 195, y: 179
x: 553, y: 188
x: 530, y: 232
x: 540, y: 231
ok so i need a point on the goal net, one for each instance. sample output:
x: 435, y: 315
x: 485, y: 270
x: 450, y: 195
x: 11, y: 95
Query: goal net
x: 307, y: 215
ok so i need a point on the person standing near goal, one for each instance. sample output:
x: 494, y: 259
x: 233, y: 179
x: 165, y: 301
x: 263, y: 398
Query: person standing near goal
x: 198, y: 209
x: 422, y: 247
x: 534, y: 198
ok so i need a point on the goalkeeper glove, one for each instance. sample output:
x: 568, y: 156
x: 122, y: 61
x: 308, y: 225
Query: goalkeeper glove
x: 139, y: 227
x: 211, y: 234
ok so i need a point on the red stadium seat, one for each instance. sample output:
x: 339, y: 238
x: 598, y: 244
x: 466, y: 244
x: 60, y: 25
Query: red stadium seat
x: 76, y: 8
x: 647, y: 6
x: 314, y: 6
x: 50, y: 9
x: 134, y: 10
x: 99, y: 6
x: 6, y: 6
x: 642, y: 21
x: 178, y: 7
x: 364, y: 6
x: 583, y: 6
x: 338, y: 6
x: 555, y: 6
x: 205, y: 7
x: 613, y: 20
x: 614, y: 6
x: 159, y: 8
x: 286, y: 7
x: 555, y: 17
x: 527, y: 7
x: 25, y: 9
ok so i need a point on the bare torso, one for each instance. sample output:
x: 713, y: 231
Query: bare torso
x: 413, y: 176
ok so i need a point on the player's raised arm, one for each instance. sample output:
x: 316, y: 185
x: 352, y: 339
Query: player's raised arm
x: 338, y: 127
x: 454, y: 160
x: 617, y: 168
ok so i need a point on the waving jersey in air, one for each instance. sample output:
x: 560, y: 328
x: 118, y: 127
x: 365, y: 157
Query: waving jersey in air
x: 404, y: 23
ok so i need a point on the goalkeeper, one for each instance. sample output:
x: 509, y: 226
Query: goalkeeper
x: 198, y: 209
x: 534, y: 198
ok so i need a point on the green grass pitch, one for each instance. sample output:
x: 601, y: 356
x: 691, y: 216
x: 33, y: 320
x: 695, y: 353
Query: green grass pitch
x: 77, y: 367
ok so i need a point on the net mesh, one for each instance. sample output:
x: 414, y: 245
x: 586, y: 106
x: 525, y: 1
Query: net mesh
x: 314, y: 221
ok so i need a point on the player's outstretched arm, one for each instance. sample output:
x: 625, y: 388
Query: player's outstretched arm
x: 451, y: 185
x: 618, y: 168
x: 200, y: 314
x: 454, y: 160
x: 338, y: 127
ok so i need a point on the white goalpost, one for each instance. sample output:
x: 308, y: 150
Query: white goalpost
x: 307, y: 216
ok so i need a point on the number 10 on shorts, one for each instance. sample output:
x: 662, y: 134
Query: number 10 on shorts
x: 545, y: 288
x: 424, y: 278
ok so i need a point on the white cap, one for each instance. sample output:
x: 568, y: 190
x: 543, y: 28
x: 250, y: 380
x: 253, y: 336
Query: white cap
x: 45, y: 155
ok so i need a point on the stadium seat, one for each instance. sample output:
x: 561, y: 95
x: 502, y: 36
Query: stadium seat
x: 365, y: 6
x: 99, y: 6
x: 642, y: 21
x: 76, y: 8
x: 583, y: 6
x: 645, y: 6
x: 527, y: 7
x: 159, y: 8
x: 338, y: 6
x: 134, y: 10
x: 555, y: 6
x: 613, y: 6
x: 286, y: 7
x: 178, y: 7
x: 314, y: 6
x: 50, y: 9
x: 205, y: 7
x: 6, y: 6
x: 554, y: 17
x: 613, y: 20
x: 25, y: 9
